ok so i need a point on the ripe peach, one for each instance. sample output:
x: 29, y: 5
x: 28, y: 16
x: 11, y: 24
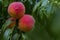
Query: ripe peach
x: 16, y: 9
x: 26, y: 23
x: 12, y: 23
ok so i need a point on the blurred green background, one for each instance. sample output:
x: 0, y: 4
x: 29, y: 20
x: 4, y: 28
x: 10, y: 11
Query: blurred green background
x: 46, y: 14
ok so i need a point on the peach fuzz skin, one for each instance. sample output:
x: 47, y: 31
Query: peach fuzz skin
x: 16, y: 9
x: 26, y: 23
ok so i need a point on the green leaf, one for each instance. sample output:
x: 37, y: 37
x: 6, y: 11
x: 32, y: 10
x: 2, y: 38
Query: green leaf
x: 7, y: 34
x: 16, y: 36
x: 36, y: 6
x: 24, y: 37
x: 6, y: 24
x: 44, y: 2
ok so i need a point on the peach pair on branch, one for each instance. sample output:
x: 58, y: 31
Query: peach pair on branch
x: 17, y: 11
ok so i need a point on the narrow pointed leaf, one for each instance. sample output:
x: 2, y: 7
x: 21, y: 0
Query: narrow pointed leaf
x: 36, y: 6
x: 6, y: 24
x: 16, y: 36
x: 7, y: 34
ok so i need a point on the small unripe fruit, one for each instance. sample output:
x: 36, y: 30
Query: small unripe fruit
x: 26, y: 23
x: 13, y: 22
x: 16, y: 9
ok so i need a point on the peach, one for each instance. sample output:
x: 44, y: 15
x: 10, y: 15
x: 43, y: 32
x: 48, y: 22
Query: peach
x: 16, y: 9
x: 26, y: 23
x: 12, y: 23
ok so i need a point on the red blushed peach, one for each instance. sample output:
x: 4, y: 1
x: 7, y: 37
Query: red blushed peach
x: 26, y: 23
x: 12, y: 23
x: 16, y: 9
